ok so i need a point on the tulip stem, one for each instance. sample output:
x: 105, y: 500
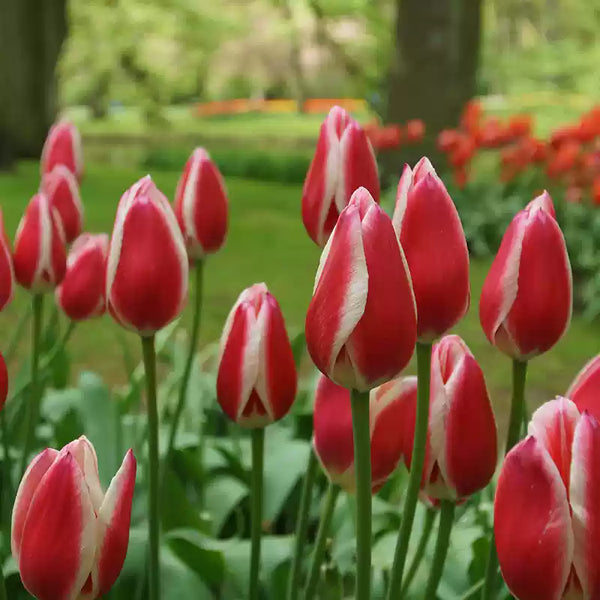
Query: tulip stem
x: 329, y: 502
x: 185, y: 379
x: 17, y: 334
x: 2, y: 585
x: 362, y: 466
x: 517, y: 410
x: 416, y: 469
x: 441, y: 549
x: 430, y: 516
x: 149, y: 353
x: 302, y: 525
x: 7, y: 493
x: 258, y: 454
x: 33, y: 406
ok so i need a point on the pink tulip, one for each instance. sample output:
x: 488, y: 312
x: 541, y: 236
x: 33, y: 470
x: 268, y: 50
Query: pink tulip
x: 585, y: 389
x: 201, y: 205
x: 343, y: 161
x: 432, y: 237
x: 81, y: 293
x: 361, y: 324
x: 39, y: 255
x: 69, y: 537
x: 7, y: 272
x: 63, y: 147
x: 147, y: 268
x: 256, y: 380
x: 333, y: 441
x: 527, y: 297
x: 547, y: 507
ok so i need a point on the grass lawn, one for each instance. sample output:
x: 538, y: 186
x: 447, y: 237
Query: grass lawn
x: 266, y: 242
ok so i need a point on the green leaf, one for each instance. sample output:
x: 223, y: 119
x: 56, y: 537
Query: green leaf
x: 221, y: 496
x: 178, y: 580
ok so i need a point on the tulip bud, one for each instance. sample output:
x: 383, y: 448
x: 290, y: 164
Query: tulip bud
x: 7, y: 273
x: 585, y: 389
x: 81, y: 293
x: 333, y: 441
x: 147, y: 267
x: 62, y: 190
x: 461, y: 441
x: 343, y: 161
x: 39, y: 256
x: 526, y: 300
x: 63, y: 147
x: 201, y: 205
x: 432, y: 237
x: 361, y: 323
x: 3, y: 382
x: 69, y: 538
x: 256, y: 380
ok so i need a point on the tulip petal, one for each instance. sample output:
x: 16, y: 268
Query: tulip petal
x: 585, y: 502
x: 7, y: 273
x: 85, y: 454
x: 585, y: 389
x: 404, y: 185
x: 59, y: 536
x: 62, y: 190
x: 532, y: 524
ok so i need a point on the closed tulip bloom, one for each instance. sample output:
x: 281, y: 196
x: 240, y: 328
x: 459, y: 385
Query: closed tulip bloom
x: 256, y: 380
x: 361, y: 324
x: 527, y: 297
x: 63, y: 147
x: 7, y: 272
x: 461, y: 449
x: 333, y: 441
x: 201, y: 205
x: 39, y: 256
x: 585, y: 389
x: 69, y: 537
x: 62, y: 190
x: 147, y: 268
x: 343, y: 161
x: 433, y: 240
x: 547, y: 507
x: 3, y: 382
x: 81, y: 293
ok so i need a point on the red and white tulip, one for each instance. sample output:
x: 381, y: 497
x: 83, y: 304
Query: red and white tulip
x: 201, y: 205
x: 256, y: 380
x: 361, y: 324
x: 63, y: 147
x: 7, y: 272
x: 147, y: 267
x: 69, y: 537
x: 585, y: 389
x: 433, y: 240
x: 343, y: 161
x: 527, y: 297
x: 81, y: 295
x: 39, y: 257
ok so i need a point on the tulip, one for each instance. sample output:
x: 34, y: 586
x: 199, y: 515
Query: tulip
x: 343, y: 161
x: 63, y: 147
x: 431, y: 235
x: 547, y: 505
x: 69, y: 537
x: 415, y: 131
x: 256, y: 380
x: 81, y: 293
x: 584, y: 391
x: 147, y: 268
x: 333, y: 440
x: 7, y: 273
x: 62, y: 190
x: 39, y: 254
x: 201, y: 205
x: 361, y: 322
x: 526, y: 300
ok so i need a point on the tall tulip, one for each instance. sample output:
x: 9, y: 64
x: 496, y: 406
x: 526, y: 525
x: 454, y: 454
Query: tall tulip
x: 343, y: 161
x: 69, y: 537
x: 7, y: 272
x: 547, y: 507
x: 63, y: 147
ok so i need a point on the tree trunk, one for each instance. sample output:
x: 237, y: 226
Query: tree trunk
x: 31, y: 37
x: 298, y: 84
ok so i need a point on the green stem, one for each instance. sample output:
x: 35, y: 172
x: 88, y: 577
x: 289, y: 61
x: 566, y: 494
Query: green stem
x: 153, y: 466
x: 302, y: 526
x: 362, y: 468
x: 258, y: 453
x: 11, y: 347
x: 33, y: 406
x: 430, y: 516
x: 517, y: 409
x: 416, y: 469
x: 7, y: 489
x: 321, y: 541
x: 441, y: 548
x: 189, y: 361
x: 3, y: 595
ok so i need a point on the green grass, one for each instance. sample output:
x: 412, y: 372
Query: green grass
x: 266, y: 242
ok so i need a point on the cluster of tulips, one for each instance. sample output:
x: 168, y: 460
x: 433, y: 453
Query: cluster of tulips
x: 384, y: 288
